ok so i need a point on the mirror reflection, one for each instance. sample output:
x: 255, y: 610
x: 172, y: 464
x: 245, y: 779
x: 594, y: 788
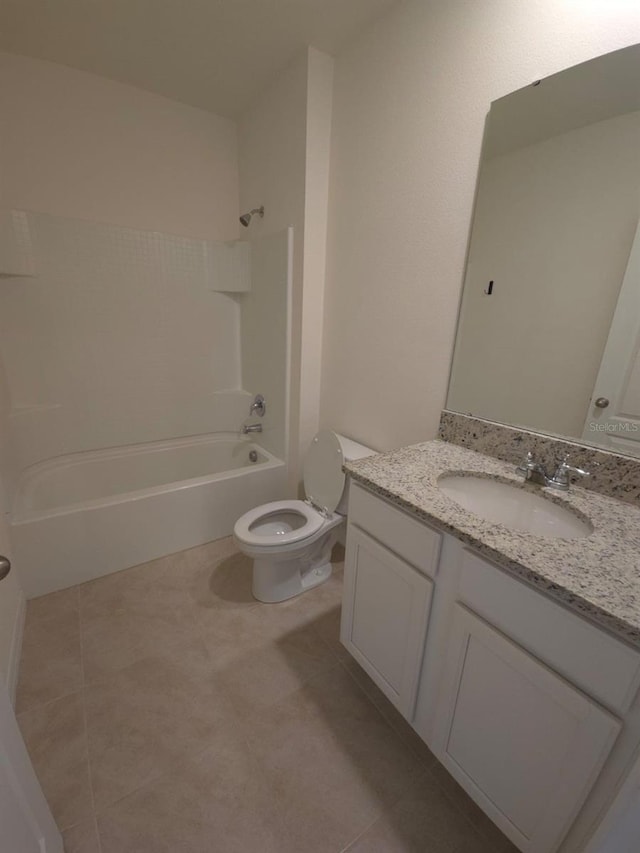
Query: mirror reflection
x: 549, y: 330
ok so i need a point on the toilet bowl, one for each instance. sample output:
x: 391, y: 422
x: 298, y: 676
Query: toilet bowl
x: 291, y: 541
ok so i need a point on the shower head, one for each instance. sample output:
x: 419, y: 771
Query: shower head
x: 245, y: 219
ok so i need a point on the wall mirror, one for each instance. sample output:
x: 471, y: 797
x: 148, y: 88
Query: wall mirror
x: 549, y: 329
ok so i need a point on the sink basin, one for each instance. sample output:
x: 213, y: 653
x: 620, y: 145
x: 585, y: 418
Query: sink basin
x: 515, y: 508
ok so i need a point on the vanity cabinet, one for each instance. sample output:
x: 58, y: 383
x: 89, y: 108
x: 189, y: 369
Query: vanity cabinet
x: 522, y: 741
x: 521, y: 699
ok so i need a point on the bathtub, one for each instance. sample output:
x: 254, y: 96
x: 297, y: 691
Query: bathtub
x: 88, y: 514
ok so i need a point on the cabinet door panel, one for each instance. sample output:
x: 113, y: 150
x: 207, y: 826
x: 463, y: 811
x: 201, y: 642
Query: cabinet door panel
x: 525, y: 744
x: 384, y: 617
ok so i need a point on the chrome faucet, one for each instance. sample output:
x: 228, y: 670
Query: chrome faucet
x: 247, y: 428
x: 258, y: 407
x: 534, y: 472
x: 561, y: 478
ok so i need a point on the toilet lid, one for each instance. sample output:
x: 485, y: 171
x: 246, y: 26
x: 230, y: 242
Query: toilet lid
x: 323, y: 474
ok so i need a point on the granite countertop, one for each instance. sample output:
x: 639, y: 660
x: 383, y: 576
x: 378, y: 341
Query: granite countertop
x: 598, y: 576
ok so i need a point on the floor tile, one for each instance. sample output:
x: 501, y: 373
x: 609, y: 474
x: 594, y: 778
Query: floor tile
x: 56, y: 740
x: 54, y: 604
x: 267, y: 675
x: 127, y: 615
x: 332, y: 761
x: 114, y: 641
x: 82, y: 838
x: 217, y: 723
x: 50, y: 663
x: 144, y: 718
x: 151, y: 589
x: 218, y: 801
x: 231, y: 634
x: 421, y: 821
x: 263, y: 653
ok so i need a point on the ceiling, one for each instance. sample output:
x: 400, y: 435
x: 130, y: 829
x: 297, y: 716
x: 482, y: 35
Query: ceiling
x: 213, y: 54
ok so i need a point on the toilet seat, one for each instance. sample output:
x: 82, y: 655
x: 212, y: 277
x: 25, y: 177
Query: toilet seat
x: 248, y: 527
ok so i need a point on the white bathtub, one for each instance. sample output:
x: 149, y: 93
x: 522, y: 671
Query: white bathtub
x: 84, y: 515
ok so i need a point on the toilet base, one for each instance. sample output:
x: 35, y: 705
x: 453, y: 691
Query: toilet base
x: 277, y: 580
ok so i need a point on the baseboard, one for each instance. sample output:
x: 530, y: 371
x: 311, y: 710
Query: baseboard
x: 16, y: 647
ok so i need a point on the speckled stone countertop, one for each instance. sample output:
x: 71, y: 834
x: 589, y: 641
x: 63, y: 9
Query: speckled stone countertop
x: 598, y: 576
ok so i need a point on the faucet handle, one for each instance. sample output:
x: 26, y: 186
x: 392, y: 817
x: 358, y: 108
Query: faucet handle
x: 527, y: 464
x: 258, y: 407
x: 561, y: 478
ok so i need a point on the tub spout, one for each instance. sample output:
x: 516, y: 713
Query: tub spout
x: 247, y: 428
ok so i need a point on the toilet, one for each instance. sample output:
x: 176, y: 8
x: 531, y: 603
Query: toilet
x: 291, y: 541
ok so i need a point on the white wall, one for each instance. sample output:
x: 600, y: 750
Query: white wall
x: 553, y: 227
x: 81, y: 146
x: 284, y: 169
x: 410, y: 100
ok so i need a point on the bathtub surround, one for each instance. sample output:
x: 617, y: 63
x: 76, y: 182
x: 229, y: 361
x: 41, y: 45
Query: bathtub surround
x: 265, y: 335
x: 611, y: 474
x: 84, y: 147
x: 137, y: 337
x: 145, y: 346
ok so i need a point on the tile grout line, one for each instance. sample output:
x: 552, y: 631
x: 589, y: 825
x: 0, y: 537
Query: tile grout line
x: 86, y: 727
x: 46, y: 704
x: 360, y: 835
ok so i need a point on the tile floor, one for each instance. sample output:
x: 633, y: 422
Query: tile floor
x: 166, y: 711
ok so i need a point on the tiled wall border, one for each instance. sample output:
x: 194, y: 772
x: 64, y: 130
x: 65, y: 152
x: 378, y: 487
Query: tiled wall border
x: 613, y: 475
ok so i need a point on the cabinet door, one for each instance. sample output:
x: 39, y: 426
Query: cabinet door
x: 385, y: 612
x: 525, y: 744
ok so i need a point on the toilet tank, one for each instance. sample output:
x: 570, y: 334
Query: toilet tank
x: 351, y: 450
x: 325, y: 482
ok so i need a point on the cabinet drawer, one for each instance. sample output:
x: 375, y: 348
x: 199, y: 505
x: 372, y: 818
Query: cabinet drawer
x: 412, y: 540
x: 591, y: 659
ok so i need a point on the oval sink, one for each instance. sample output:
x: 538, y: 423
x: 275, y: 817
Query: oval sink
x: 515, y: 508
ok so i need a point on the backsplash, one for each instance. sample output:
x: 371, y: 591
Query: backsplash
x: 613, y: 475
